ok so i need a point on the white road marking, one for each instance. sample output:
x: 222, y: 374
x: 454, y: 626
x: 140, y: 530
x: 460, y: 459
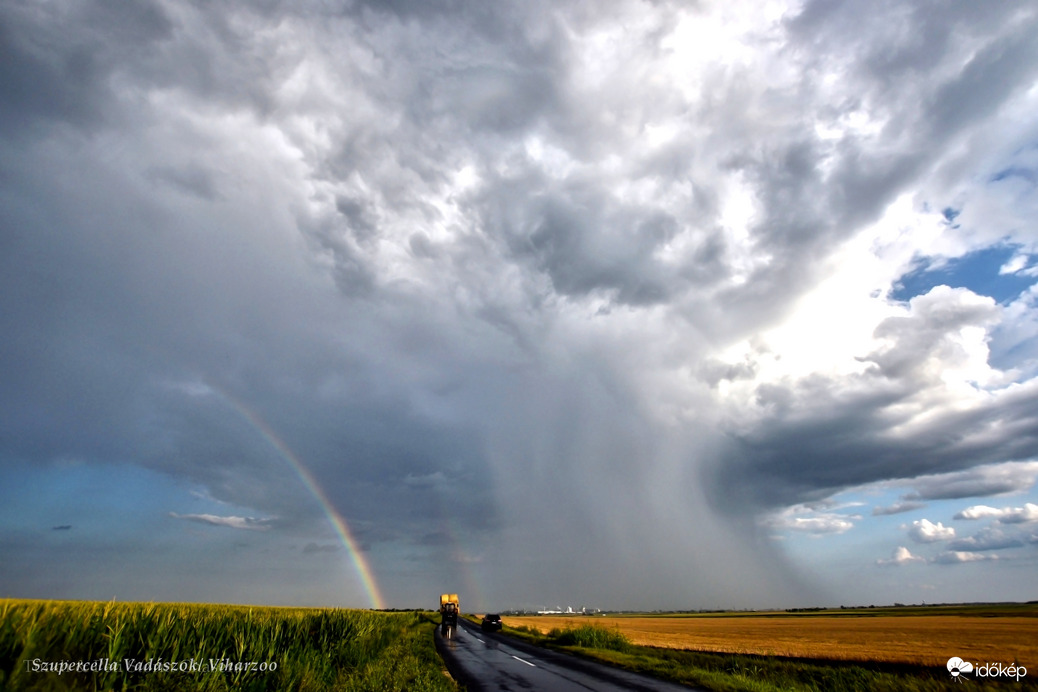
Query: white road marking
x: 478, y: 639
x: 524, y: 661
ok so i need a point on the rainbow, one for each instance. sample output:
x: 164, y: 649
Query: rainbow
x: 360, y: 563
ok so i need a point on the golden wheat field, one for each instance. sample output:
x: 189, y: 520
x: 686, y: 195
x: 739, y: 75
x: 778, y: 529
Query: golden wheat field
x: 914, y: 639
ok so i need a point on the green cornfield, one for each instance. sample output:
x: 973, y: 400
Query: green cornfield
x: 70, y: 645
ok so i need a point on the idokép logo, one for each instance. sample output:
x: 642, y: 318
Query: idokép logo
x: 957, y: 667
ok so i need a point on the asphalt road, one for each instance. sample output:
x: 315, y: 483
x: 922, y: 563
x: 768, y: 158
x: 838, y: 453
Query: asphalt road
x: 491, y: 662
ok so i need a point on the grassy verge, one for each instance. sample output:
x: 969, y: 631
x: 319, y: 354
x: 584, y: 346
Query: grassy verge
x: 141, y: 646
x: 734, y: 672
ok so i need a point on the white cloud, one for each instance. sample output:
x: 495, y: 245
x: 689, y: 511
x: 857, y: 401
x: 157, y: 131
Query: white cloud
x: 988, y: 539
x: 1007, y: 515
x: 897, y: 508
x: 1016, y: 263
x: 901, y: 556
x: 940, y: 343
x: 954, y: 557
x: 818, y: 523
x: 245, y: 523
x: 978, y: 512
x: 1020, y: 515
x: 925, y: 531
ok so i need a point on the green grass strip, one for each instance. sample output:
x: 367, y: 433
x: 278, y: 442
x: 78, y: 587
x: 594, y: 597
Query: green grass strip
x: 309, y: 649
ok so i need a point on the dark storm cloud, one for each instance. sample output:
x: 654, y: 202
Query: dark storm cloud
x: 312, y: 548
x: 103, y: 362
x: 190, y: 180
x: 580, y: 238
x: 447, y: 257
x: 577, y: 234
x: 807, y: 210
x: 818, y: 435
x: 934, y: 111
x: 925, y: 34
x: 810, y: 450
x: 56, y: 59
x: 713, y: 371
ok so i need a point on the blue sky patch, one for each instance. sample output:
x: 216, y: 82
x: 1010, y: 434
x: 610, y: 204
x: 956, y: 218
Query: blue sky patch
x: 1023, y: 173
x: 978, y: 271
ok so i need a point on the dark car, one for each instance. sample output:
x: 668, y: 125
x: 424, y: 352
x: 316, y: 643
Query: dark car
x: 491, y: 622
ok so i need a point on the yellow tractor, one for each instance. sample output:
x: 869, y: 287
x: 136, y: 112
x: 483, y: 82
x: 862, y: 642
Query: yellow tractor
x: 449, y: 611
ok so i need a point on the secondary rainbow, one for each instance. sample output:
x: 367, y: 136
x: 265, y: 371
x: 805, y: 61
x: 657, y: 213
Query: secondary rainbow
x: 367, y: 577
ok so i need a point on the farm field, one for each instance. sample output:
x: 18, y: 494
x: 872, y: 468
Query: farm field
x: 975, y: 634
x: 179, y: 646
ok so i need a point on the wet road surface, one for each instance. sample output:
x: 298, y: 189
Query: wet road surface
x: 491, y: 662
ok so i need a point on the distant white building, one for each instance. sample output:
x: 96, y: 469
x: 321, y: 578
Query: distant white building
x: 568, y: 611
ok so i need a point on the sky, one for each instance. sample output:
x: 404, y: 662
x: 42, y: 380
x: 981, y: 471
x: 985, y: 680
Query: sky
x: 627, y: 304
